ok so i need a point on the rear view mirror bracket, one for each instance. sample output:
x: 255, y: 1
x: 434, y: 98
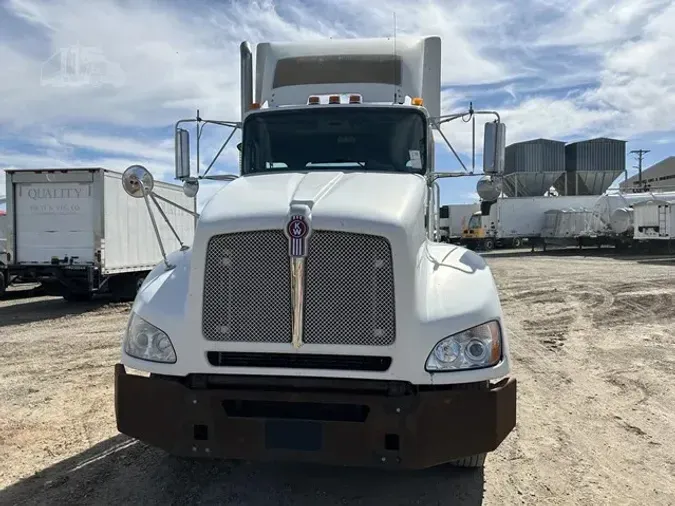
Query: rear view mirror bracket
x: 494, y: 138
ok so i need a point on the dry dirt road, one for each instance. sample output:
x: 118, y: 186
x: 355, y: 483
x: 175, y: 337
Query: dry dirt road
x: 593, y: 342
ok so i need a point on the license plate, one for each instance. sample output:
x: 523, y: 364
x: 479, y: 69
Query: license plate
x: 293, y: 435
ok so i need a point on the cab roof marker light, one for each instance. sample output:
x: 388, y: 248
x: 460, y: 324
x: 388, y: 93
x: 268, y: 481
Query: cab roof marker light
x: 354, y: 99
x: 418, y: 101
x: 334, y: 99
x: 313, y: 100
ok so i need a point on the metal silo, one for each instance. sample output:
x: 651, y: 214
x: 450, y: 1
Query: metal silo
x: 592, y: 166
x: 532, y: 167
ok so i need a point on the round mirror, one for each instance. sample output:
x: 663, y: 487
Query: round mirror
x: 136, y: 179
x: 489, y: 188
x: 191, y: 187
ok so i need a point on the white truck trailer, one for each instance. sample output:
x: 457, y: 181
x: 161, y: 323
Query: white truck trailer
x: 77, y: 232
x: 514, y: 220
x: 654, y: 222
x: 4, y: 272
x: 314, y: 318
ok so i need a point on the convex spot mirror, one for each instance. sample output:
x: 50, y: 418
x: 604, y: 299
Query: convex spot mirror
x: 137, y: 181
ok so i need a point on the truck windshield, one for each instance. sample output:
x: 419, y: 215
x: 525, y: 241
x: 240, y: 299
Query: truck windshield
x: 342, y: 138
x: 475, y: 221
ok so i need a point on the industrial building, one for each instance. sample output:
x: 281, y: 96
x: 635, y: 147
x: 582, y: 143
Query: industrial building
x: 585, y: 167
x: 660, y: 176
x: 532, y: 167
x: 592, y: 166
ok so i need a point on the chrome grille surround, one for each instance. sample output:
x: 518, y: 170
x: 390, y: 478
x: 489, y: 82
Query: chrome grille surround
x: 349, y: 289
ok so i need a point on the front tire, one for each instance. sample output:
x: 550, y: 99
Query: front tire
x: 488, y: 244
x: 125, y: 287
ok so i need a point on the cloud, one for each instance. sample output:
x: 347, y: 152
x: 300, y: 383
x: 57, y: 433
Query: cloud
x: 186, y: 60
x: 638, y: 81
x: 561, y: 69
x: 596, y: 25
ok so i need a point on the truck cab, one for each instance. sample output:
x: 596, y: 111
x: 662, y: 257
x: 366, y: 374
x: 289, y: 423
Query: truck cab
x: 315, y: 318
x: 473, y: 236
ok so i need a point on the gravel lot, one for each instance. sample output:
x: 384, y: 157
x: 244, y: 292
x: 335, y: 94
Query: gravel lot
x: 593, y: 339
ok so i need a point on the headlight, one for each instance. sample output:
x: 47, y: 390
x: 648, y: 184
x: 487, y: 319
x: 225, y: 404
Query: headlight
x: 477, y: 347
x: 147, y: 342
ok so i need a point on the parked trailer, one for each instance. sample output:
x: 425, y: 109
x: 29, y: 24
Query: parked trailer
x: 572, y: 227
x: 654, y: 222
x: 454, y: 219
x: 77, y: 232
x: 608, y: 221
x: 612, y: 214
x: 4, y: 273
x: 565, y: 225
x: 512, y: 220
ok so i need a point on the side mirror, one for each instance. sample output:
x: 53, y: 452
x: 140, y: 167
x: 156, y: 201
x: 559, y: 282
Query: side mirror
x: 137, y: 181
x: 182, y: 154
x: 494, y: 148
x: 489, y: 188
x: 191, y: 187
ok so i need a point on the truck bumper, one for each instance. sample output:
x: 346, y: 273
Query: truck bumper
x: 342, y: 422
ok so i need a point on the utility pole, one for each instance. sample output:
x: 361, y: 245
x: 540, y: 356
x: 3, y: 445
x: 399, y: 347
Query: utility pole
x: 640, y: 155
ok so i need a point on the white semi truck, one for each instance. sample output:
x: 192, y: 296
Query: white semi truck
x: 314, y: 318
x: 78, y: 233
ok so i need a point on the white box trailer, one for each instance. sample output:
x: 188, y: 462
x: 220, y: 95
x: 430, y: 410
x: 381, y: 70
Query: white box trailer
x: 3, y: 234
x: 454, y: 218
x: 4, y: 273
x: 654, y: 220
x: 77, y: 232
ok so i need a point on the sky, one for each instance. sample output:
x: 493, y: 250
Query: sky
x: 565, y: 70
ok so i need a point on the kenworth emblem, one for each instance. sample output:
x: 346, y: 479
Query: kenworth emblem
x: 298, y: 230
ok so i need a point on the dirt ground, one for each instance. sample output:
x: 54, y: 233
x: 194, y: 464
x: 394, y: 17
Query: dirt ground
x: 593, y: 341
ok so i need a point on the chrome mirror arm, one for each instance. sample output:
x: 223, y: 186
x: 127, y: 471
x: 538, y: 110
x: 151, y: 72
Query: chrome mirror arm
x: 139, y: 183
x: 173, y: 230
x: 154, y: 225
x: 163, y: 199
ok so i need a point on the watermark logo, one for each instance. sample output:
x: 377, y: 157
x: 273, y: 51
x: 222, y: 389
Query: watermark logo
x: 80, y: 66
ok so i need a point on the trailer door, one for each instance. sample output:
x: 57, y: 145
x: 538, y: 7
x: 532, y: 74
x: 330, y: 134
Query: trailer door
x: 54, y: 221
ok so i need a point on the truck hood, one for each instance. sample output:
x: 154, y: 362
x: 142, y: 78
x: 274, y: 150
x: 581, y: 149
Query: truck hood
x: 440, y: 289
x: 263, y: 200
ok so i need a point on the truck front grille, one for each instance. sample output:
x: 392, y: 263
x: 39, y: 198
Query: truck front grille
x: 349, y: 291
